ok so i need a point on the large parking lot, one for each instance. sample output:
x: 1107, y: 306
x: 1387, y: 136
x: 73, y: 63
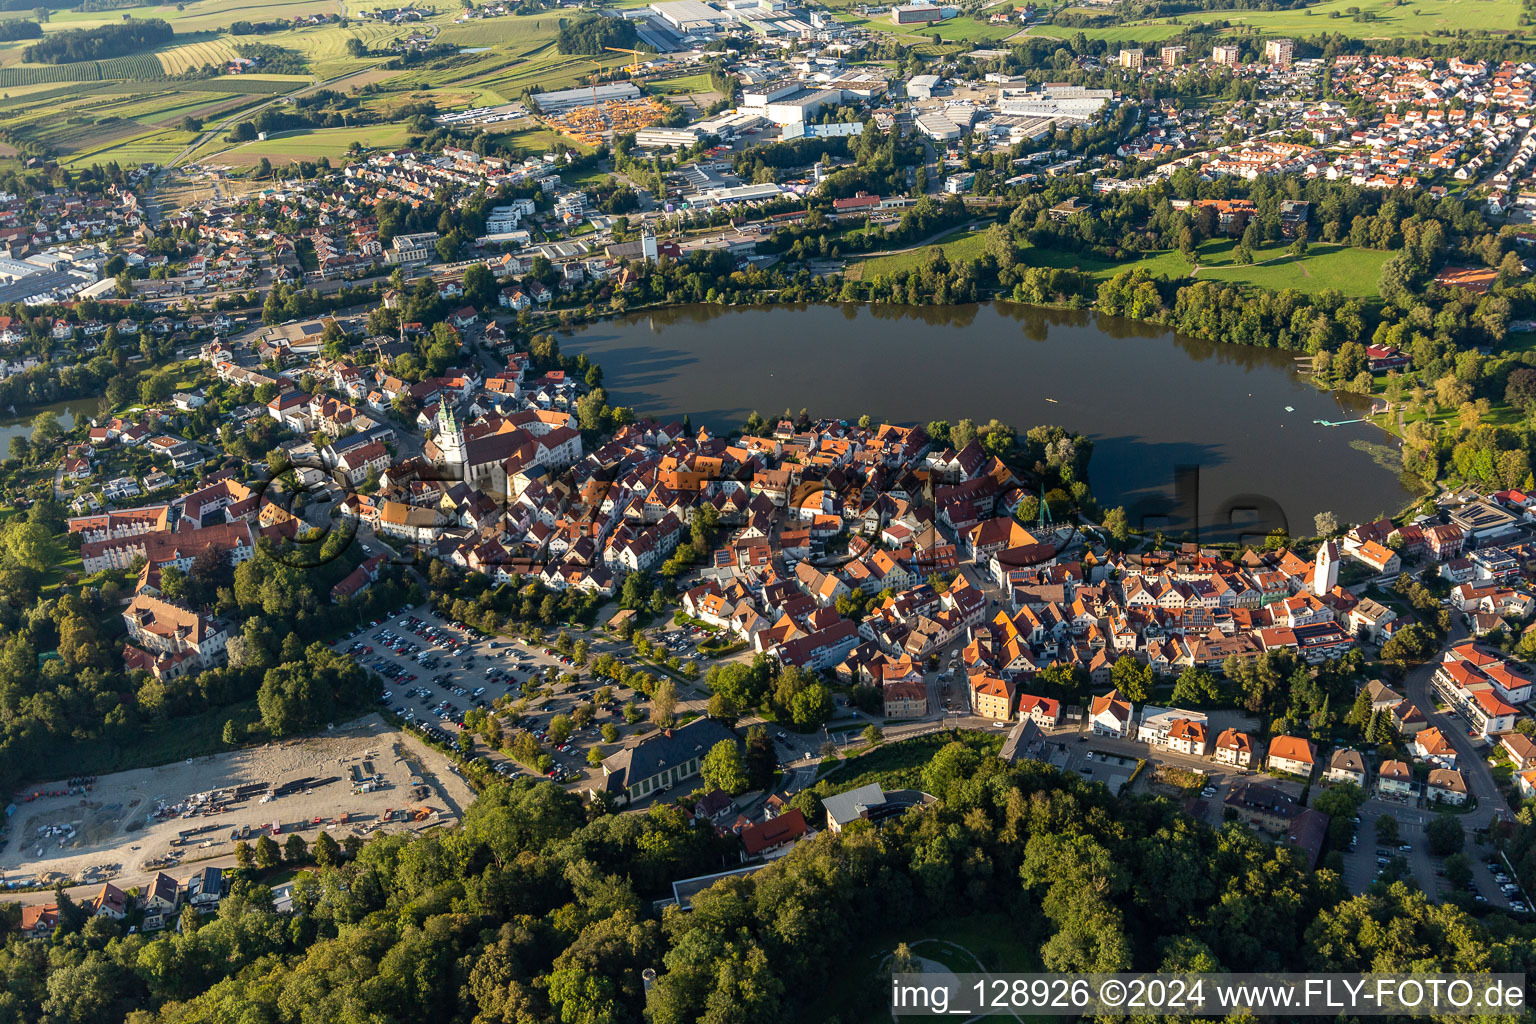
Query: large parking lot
x: 1368, y: 859
x: 435, y: 671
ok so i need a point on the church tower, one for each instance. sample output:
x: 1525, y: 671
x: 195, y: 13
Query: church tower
x: 1326, y: 574
x: 450, y: 437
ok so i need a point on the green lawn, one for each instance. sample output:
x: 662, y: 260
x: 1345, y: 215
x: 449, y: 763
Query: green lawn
x: 312, y: 144
x: 1352, y: 271
x: 1170, y: 264
x: 1414, y: 18
x: 672, y: 86
x: 899, y: 764
x: 958, y: 246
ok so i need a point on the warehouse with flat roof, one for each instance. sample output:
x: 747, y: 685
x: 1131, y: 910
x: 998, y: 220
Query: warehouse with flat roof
x: 566, y: 99
x: 690, y: 15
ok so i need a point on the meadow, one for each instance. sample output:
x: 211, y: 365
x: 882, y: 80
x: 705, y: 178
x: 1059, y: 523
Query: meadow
x: 1387, y: 19
x: 959, y: 246
x: 1354, y: 272
x: 310, y: 144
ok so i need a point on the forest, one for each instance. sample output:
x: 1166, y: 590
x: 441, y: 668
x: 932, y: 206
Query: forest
x: 81, y: 703
x: 540, y: 908
x: 17, y: 28
x: 100, y: 43
x: 591, y: 35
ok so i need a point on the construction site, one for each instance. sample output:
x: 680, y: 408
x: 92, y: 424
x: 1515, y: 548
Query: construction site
x: 125, y: 827
x: 594, y: 124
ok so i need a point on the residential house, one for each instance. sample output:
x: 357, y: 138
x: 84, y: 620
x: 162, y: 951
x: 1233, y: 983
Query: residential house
x: 1236, y: 748
x: 1446, y: 785
x: 774, y: 837
x: 1395, y: 779
x: 1293, y: 755
x: 1346, y: 765
x: 1110, y: 715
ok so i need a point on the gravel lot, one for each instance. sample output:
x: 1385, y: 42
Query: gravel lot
x: 114, y: 832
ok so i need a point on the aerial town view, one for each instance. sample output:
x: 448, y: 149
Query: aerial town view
x: 804, y: 511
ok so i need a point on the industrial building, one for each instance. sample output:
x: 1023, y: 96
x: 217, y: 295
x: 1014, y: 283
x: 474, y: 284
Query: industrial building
x: 917, y: 14
x: 921, y: 87
x: 938, y: 126
x: 662, y: 138
x: 690, y: 15
x: 1066, y: 102
x: 565, y: 99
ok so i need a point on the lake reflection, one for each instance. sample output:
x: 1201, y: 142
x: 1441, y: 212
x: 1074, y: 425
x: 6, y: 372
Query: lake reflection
x: 1155, y: 403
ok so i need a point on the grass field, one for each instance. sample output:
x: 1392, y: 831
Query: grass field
x: 955, y: 32
x: 1159, y: 264
x: 1352, y: 271
x: 1413, y: 18
x: 331, y: 143
x: 516, y: 31
x: 958, y: 246
x: 537, y: 141
x: 199, y: 15
x: 687, y: 83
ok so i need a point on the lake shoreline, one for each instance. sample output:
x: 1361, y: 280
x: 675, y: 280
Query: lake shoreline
x: 667, y: 360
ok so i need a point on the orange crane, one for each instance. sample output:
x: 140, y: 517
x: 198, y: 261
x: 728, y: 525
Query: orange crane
x: 637, y: 54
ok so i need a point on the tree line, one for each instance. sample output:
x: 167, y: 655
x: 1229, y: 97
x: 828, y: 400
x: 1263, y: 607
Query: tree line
x: 100, y: 43
x: 538, y: 908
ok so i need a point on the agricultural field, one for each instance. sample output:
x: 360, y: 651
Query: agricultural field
x: 199, y: 15
x: 259, y: 85
x: 124, y: 121
x: 191, y: 56
x: 153, y: 148
x: 1410, y: 19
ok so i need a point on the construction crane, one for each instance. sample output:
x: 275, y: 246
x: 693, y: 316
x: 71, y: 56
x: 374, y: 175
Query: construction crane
x: 637, y: 54
x: 592, y: 79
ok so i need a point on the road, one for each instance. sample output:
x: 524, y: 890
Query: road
x: 1470, y: 758
x: 249, y: 112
